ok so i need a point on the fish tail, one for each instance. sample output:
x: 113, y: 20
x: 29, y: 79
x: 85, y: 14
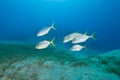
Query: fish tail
x: 92, y: 36
x: 52, y: 26
x: 85, y: 47
x: 52, y: 41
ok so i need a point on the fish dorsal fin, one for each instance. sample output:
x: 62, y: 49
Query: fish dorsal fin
x: 52, y: 26
x: 78, y: 31
x: 85, y: 33
x: 92, y: 36
x: 52, y: 41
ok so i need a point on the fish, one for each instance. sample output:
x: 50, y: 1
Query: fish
x: 78, y: 39
x: 45, y: 30
x: 45, y: 43
x: 77, y: 47
x: 70, y: 37
x: 83, y: 38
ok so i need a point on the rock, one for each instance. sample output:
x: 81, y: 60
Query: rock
x: 115, y: 53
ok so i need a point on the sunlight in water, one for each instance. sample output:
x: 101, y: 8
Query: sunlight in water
x: 55, y: 0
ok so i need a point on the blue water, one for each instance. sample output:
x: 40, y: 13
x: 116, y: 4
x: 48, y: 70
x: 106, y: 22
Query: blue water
x: 20, y: 20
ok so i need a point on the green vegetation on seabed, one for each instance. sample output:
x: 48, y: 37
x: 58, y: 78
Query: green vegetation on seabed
x: 14, y: 50
x: 112, y: 63
x: 11, y: 53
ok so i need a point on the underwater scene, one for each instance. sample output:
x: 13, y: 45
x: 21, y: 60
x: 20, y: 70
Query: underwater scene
x: 59, y: 39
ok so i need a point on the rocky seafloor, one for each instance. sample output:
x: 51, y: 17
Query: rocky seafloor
x: 20, y: 61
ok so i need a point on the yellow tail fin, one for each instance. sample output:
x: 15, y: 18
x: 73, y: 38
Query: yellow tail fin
x: 52, y: 26
x: 85, y: 47
x: 92, y: 36
x: 52, y: 41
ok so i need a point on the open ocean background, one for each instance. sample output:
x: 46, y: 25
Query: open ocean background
x: 20, y: 20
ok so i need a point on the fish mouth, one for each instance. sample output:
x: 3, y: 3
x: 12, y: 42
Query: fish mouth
x: 64, y: 41
x: 38, y: 35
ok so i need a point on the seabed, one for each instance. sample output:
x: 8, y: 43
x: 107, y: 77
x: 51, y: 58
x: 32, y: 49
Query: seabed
x: 21, y: 61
